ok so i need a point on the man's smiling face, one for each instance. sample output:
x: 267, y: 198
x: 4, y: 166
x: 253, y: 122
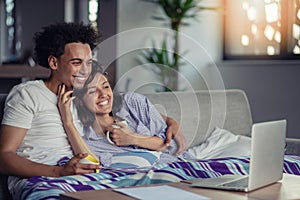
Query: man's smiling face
x: 75, y: 65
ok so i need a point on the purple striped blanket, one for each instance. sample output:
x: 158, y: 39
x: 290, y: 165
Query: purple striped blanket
x: 50, y: 188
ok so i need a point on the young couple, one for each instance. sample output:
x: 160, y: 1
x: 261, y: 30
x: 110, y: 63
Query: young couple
x: 99, y: 109
x: 32, y: 133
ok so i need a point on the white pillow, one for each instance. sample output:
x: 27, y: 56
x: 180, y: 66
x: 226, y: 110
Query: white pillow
x: 134, y: 159
x: 222, y: 143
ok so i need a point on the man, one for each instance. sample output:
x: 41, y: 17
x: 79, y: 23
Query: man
x: 32, y: 133
x: 33, y: 139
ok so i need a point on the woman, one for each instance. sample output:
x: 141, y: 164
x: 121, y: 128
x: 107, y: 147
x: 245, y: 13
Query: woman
x: 99, y: 109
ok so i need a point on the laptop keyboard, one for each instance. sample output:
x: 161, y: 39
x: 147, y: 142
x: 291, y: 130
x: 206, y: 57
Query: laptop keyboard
x: 240, y: 183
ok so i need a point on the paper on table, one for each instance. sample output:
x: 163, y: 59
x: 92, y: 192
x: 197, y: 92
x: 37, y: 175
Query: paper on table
x: 160, y: 192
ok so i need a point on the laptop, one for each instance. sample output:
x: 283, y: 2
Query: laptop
x: 266, y: 163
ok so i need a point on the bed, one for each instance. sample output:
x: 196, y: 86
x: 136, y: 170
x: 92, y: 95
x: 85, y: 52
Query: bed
x: 50, y: 188
x: 216, y: 121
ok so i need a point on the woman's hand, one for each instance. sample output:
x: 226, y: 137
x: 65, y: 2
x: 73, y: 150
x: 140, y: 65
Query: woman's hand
x: 122, y: 136
x: 64, y: 100
x: 77, y: 143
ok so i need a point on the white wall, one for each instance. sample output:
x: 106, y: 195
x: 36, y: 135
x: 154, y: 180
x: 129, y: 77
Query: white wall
x: 272, y: 87
x: 204, y: 45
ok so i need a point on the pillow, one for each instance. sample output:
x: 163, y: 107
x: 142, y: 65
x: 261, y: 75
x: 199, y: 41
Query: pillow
x: 222, y: 143
x: 134, y: 159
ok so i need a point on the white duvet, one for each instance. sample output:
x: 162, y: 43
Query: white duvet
x: 222, y: 143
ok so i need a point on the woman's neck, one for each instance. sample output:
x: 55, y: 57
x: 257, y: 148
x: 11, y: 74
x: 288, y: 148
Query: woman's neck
x: 102, y: 122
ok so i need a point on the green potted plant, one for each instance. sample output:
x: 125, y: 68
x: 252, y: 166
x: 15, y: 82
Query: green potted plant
x: 167, y: 60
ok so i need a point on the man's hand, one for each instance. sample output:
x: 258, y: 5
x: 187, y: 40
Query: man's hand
x: 73, y: 166
x: 181, y: 142
x: 174, y: 132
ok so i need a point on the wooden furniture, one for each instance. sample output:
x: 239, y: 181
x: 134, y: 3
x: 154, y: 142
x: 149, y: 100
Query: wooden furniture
x: 23, y: 71
x: 287, y: 188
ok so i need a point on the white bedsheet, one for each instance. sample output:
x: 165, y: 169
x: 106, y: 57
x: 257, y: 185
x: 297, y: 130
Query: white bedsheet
x: 222, y: 143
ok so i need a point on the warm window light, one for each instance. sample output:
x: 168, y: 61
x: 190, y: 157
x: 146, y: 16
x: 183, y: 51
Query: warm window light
x: 296, y: 31
x: 266, y: 27
x: 267, y: 1
x: 245, y: 40
x: 296, y: 50
x: 269, y: 32
x: 278, y: 24
x: 271, y: 12
x: 270, y: 50
x: 245, y: 5
x: 277, y: 37
x: 251, y: 13
x: 254, y: 29
x: 298, y: 14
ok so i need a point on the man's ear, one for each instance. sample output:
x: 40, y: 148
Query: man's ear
x: 52, y: 60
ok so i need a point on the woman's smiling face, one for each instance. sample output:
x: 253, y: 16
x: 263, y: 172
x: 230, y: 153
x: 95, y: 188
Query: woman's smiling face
x: 99, y: 95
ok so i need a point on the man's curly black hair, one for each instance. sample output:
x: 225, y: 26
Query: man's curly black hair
x: 53, y: 38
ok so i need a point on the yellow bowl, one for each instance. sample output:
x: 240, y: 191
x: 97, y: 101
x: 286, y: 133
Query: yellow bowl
x: 90, y: 160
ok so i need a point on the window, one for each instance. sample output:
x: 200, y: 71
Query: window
x: 93, y: 12
x: 8, y: 34
x: 267, y: 29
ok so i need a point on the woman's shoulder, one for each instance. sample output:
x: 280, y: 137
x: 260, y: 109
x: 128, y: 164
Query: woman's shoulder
x: 133, y: 95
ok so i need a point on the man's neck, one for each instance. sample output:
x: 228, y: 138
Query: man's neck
x: 53, y: 86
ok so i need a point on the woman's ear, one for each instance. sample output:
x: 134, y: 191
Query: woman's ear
x: 52, y: 61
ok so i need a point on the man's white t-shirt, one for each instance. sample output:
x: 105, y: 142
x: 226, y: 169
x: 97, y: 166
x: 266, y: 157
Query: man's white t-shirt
x: 33, y: 106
